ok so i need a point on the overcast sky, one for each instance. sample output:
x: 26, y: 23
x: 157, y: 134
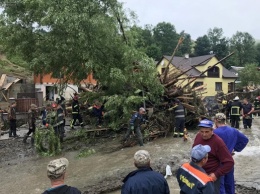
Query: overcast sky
x: 197, y: 16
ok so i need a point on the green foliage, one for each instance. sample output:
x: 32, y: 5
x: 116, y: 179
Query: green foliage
x: 258, y: 53
x: 249, y: 75
x: 46, y: 142
x: 244, y: 46
x: 202, y: 46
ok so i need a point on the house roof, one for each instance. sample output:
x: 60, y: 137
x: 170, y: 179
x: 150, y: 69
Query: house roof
x: 183, y: 64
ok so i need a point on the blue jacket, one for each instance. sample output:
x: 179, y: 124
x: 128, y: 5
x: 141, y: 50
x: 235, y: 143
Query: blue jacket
x: 136, y: 120
x: 233, y: 139
x: 193, y: 179
x: 145, y: 181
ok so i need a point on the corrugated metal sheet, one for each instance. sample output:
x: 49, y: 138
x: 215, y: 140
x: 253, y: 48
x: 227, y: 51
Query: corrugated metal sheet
x: 23, y: 104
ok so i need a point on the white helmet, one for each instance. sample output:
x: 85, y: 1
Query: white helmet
x: 236, y: 98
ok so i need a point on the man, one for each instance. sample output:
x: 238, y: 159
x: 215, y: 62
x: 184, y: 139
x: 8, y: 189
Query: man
x: 235, y: 141
x: 235, y: 111
x: 220, y: 161
x: 247, y: 111
x: 31, y: 121
x: 60, y: 121
x: 135, y: 126
x: 257, y: 106
x: 75, y: 112
x: 144, y: 180
x: 44, y: 113
x: 56, y: 171
x: 179, y: 114
x: 191, y: 177
x: 98, y: 112
x: 12, y: 120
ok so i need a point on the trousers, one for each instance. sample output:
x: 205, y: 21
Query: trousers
x: 76, y: 117
x: 247, y: 123
x: 227, y: 185
x: 137, y: 132
x: 12, y: 128
x: 235, y: 121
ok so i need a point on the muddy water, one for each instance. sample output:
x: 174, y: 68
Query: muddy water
x: 22, y: 175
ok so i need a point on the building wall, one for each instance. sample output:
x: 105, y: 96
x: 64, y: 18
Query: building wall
x: 67, y: 93
x: 210, y: 81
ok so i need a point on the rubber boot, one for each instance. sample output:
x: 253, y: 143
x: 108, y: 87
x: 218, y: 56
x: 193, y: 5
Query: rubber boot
x: 25, y: 138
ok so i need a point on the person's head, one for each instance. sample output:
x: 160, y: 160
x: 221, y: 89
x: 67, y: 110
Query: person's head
x: 33, y: 107
x: 142, y: 111
x: 245, y: 101
x: 236, y: 98
x: 142, y: 159
x: 56, y: 169
x: 220, y: 119
x: 199, y: 154
x: 76, y: 97
x: 54, y: 106
x: 206, y: 129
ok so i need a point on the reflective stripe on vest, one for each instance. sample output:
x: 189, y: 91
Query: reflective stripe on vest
x: 200, y: 176
x: 235, y: 110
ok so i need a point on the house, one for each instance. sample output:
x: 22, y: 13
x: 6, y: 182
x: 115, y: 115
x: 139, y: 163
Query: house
x: 50, y: 86
x: 235, y: 70
x: 216, y: 79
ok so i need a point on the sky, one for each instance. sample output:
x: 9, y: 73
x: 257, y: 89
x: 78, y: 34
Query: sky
x: 197, y: 16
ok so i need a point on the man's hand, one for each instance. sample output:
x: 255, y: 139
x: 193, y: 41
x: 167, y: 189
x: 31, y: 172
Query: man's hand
x: 213, y: 176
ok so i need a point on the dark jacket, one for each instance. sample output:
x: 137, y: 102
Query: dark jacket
x: 179, y: 111
x: 194, y: 180
x: 136, y: 120
x: 235, y: 109
x: 75, y: 107
x: 145, y: 181
x: 97, y: 110
x: 64, y: 189
x: 31, y: 118
x: 12, y: 113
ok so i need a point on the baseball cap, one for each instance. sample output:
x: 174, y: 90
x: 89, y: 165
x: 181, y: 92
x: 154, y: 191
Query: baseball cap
x: 57, y: 168
x: 236, y: 98
x: 142, y: 157
x: 220, y: 116
x: 198, y: 152
x: 206, y: 123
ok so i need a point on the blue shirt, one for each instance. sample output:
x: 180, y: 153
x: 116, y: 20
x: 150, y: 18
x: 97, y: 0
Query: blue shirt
x: 234, y: 139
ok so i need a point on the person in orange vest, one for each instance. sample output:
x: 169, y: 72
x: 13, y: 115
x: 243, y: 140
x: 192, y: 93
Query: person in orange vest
x: 191, y: 177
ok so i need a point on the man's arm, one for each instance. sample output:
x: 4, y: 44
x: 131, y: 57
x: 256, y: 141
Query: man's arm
x: 226, y: 160
x: 241, y: 143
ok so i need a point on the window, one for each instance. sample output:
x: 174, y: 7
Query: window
x: 218, y: 86
x: 163, y: 70
x: 214, y: 72
x: 197, y: 84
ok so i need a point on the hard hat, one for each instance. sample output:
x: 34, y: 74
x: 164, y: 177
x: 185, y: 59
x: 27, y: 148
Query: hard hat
x: 236, y: 98
x: 224, y: 102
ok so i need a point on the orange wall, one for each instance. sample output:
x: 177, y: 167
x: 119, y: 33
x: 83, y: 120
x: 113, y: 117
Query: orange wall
x: 48, y: 79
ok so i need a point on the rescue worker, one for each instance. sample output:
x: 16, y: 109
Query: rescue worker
x: 135, y: 126
x: 257, y: 106
x: 98, y: 112
x: 228, y: 109
x: 12, y: 119
x: 32, y: 115
x: 247, y: 111
x: 235, y: 112
x: 191, y: 177
x: 179, y: 114
x: 235, y: 141
x: 60, y: 122
x: 76, y: 112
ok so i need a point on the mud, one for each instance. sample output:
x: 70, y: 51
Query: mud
x: 22, y: 171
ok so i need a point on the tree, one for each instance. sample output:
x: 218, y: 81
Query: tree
x: 202, y: 46
x: 79, y: 37
x: 244, y: 46
x: 258, y: 53
x: 218, y: 43
x: 166, y: 37
x: 249, y: 75
x: 185, y: 47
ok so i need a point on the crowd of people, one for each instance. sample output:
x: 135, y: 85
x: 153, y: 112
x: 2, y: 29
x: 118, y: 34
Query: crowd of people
x: 210, y: 170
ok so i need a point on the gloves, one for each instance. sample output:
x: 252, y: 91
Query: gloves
x: 132, y: 128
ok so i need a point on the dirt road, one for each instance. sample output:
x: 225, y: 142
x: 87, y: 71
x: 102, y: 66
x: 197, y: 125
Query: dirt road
x: 22, y: 172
